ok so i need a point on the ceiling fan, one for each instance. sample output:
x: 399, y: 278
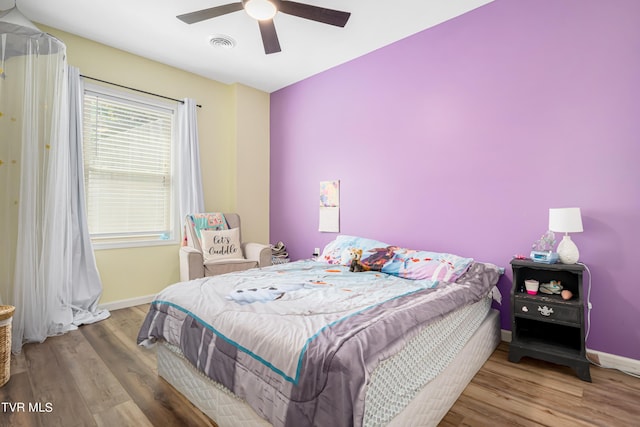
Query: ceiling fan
x: 264, y: 11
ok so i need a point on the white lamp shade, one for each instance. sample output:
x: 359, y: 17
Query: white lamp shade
x: 565, y: 220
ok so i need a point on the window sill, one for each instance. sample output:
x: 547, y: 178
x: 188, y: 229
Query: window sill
x: 123, y: 244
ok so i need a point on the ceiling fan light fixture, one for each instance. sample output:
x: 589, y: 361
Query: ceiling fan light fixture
x: 261, y: 10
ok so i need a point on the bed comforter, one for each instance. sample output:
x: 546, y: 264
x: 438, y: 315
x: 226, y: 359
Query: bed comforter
x: 299, y: 341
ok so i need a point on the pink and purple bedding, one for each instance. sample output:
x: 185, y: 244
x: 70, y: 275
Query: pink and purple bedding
x: 397, y: 261
x: 298, y: 341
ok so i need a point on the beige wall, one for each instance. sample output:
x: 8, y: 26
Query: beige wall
x: 225, y: 152
x: 252, y: 160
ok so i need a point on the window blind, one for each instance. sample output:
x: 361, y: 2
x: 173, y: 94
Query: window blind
x: 128, y: 172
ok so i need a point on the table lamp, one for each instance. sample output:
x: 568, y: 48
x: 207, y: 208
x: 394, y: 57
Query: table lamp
x: 566, y: 220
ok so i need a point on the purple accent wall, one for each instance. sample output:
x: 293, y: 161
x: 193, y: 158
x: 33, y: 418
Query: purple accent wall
x: 460, y: 138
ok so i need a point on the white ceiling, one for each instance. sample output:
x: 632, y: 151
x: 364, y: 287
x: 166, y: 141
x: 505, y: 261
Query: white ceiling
x: 149, y: 28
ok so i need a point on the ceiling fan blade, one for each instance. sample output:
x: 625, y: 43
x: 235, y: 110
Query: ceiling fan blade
x: 212, y: 12
x: 269, y: 36
x: 315, y: 13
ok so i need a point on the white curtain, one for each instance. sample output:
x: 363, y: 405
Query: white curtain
x: 189, y: 175
x: 47, y: 272
x: 86, y: 286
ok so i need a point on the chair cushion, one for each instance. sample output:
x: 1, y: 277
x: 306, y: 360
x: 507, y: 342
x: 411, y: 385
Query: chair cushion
x: 221, y: 244
x: 213, y: 268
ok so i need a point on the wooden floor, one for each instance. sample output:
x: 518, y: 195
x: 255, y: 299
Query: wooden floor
x: 97, y: 376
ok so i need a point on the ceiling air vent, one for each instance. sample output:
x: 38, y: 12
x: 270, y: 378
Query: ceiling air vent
x: 222, y: 41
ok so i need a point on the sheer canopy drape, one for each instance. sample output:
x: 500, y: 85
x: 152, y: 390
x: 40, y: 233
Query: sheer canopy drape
x: 40, y: 190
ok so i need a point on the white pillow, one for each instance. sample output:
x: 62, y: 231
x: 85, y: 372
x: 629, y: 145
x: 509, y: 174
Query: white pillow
x: 221, y: 244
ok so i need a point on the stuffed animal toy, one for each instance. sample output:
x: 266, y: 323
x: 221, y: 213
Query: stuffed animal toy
x: 356, y: 256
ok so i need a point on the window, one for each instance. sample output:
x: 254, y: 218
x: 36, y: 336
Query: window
x: 128, y: 169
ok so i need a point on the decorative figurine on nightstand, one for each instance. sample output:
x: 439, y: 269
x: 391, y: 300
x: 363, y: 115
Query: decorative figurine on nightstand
x: 542, y: 249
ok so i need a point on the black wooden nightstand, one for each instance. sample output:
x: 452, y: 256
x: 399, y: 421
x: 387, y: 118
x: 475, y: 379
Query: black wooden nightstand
x: 547, y: 327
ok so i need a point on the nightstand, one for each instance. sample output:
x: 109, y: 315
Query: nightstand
x: 547, y: 327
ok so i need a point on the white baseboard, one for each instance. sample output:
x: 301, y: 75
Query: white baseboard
x: 606, y: 360
x: 612, y: 361
x: 125, y: 303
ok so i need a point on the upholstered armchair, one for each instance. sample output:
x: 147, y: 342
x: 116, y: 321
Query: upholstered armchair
x: 213, y: 245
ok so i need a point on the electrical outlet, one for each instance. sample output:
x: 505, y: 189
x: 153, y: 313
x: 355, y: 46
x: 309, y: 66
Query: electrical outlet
x: 316, y: 252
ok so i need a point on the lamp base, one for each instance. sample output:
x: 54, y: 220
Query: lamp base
x: 568, y: 251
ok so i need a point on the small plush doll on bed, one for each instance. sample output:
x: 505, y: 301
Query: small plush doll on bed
x: 355, y: 265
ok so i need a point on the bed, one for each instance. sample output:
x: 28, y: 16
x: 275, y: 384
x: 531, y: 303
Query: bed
x: 313, y: 343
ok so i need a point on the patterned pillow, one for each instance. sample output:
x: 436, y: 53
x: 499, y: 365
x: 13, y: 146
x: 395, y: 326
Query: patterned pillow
x: 415, y: 265
x: 207, y: 221
x: 402, y: 262
x: 337, y: 251
x: 199, y: 222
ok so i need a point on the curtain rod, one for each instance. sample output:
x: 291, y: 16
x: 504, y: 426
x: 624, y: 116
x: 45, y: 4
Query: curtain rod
x: 136, y: 90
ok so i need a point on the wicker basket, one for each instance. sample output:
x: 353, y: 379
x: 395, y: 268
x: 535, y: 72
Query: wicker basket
x: 6, y: 311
